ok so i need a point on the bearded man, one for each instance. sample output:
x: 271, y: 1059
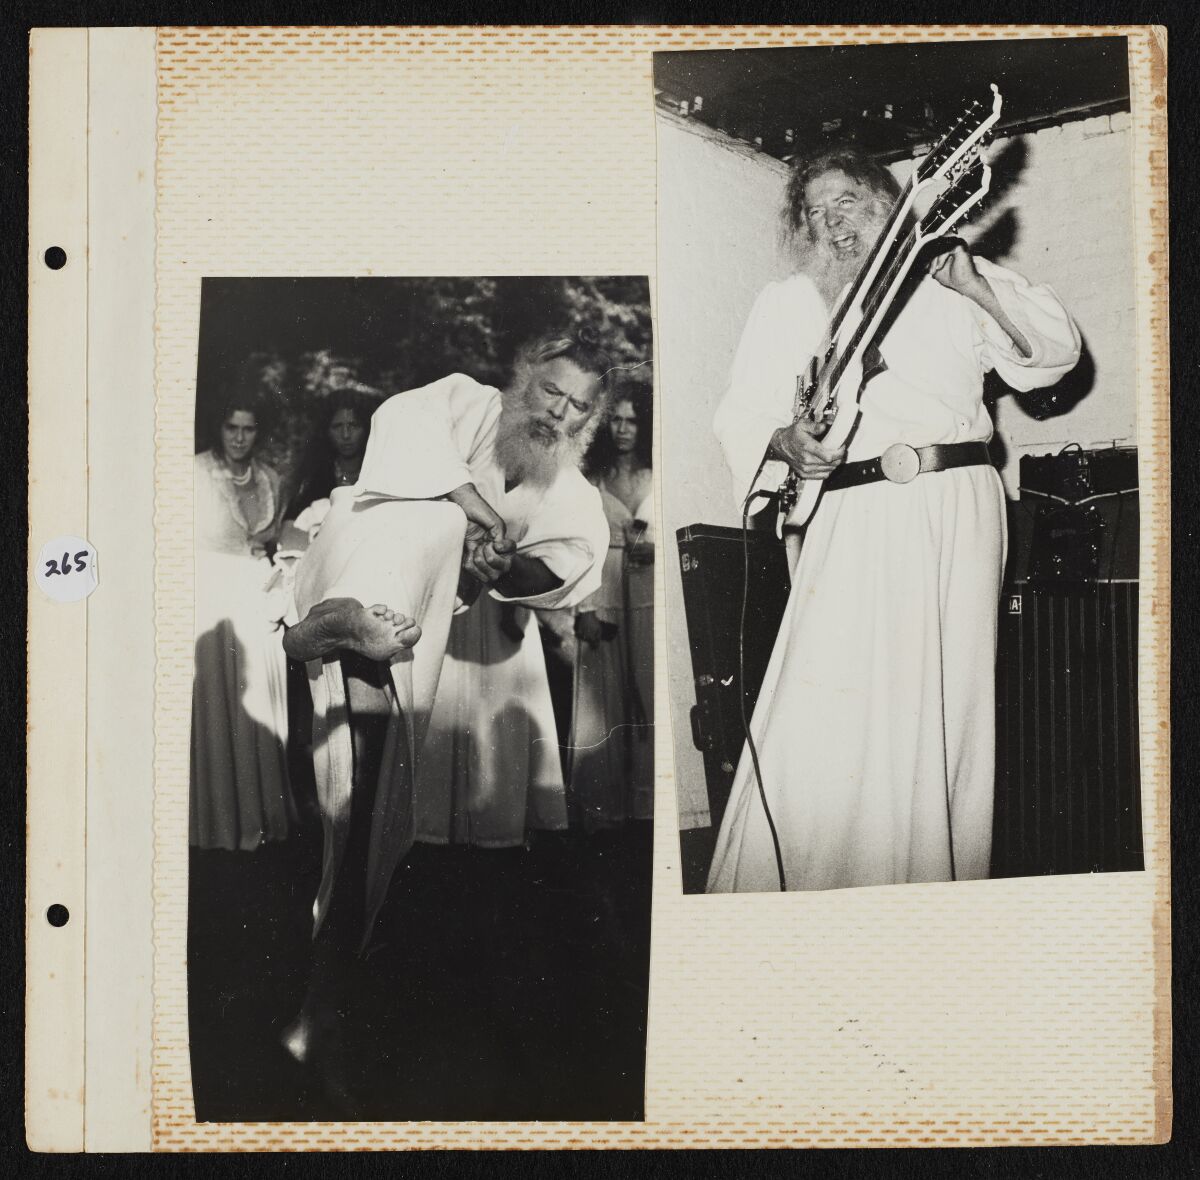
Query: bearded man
x: 875, y: 724
x: 462, y: 487
x: 490, y: 770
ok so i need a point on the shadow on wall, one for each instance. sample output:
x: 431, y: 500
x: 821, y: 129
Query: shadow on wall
x: 1066, y: 394
x: 1007, y: 164
x: 997, y: 242
x: 1040, y: 404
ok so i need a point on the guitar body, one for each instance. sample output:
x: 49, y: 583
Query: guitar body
x: 845, y: 418
x: 845, y: 411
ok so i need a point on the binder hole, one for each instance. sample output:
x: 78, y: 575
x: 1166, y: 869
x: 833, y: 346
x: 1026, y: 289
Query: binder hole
x: 56, y: 259
x: 58, y: 915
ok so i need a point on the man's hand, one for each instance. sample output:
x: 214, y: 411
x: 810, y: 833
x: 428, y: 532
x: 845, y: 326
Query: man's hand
x: 479, y: 512
x: 488, y: 553
x: 798, y: 446
x: 956, y: 269
x: 487, y: 560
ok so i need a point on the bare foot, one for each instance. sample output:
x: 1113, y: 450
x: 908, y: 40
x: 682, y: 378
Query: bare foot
x: 377, y: 632
x: 380, y: 633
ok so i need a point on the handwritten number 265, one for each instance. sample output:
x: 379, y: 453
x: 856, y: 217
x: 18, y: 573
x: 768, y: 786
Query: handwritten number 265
x: 52, y: 567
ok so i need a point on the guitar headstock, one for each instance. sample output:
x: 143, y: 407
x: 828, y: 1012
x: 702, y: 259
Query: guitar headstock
x: 970, y: 180
x: 963, y: 140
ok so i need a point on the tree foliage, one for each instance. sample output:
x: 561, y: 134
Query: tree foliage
x: 294, y: 341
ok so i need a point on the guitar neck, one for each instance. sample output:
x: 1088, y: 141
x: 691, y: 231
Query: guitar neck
x: 875, y: 305
x: 956, y: 160
x: 882, y: 247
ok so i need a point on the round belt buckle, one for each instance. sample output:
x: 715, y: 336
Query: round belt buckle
x: 900, y: 463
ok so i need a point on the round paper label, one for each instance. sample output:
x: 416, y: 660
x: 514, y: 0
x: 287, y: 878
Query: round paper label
x: 66, y: 569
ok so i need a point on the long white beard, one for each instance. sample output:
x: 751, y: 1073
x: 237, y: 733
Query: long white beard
x: 527, y: 459
x: 830, y: 271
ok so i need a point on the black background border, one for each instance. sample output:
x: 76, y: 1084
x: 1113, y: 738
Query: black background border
x: 1178, y: 1158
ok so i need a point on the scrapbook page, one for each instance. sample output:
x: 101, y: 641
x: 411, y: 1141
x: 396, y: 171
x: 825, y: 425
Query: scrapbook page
x: 624, y: 582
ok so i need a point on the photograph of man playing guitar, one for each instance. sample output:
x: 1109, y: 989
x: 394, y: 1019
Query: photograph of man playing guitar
x: 875, y: 726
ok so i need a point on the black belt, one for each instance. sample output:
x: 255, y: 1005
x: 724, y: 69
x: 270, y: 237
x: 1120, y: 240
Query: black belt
x: 901, y: 463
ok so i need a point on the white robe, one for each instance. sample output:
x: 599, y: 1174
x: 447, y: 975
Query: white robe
x: 388, y: 540
x: 240, y: 794
x: 489, y: 768
x: 875, y: 723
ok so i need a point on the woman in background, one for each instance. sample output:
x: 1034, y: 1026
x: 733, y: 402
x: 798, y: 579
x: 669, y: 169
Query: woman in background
x: 333, y: 460
x: 240, y: 793
x: 612, y: 735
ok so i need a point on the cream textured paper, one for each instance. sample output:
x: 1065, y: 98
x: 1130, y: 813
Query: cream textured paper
x: 1031, y: 1011
x: 58, y: 503
x: 91, y: 686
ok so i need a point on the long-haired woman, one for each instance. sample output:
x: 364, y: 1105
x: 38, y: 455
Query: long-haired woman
x: 612, y: 737
x: 240, y: 793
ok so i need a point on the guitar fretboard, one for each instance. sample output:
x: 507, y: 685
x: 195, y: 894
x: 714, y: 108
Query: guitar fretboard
x: 944, y: 212
x: 873, y: 303
x: 882, y: 242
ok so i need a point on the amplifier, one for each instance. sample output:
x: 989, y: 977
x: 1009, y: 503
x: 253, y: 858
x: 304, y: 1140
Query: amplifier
x: 1074, y: 474
x: 1082, y: 509
x: 1067, y: 782
x: 712, y: 565
x: 1067, y: 777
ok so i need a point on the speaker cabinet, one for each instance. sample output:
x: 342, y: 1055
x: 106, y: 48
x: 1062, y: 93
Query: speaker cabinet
x: 1067, y: 781
x: 713, y: 563
x: 1067, y: 777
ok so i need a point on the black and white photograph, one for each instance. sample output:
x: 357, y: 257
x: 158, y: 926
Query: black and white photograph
x: 422, y: 743
x: 521, y: 480
x: 900, y: 472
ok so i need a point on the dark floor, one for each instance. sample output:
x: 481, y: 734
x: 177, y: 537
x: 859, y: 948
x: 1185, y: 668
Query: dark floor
x: 500, y: 984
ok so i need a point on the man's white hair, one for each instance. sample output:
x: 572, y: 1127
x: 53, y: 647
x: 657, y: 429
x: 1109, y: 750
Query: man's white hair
x: 516, y: 452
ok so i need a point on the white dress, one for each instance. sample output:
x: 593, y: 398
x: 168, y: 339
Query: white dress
x: 875, y: 722
x: 240, y: 794
x: 612, y: 722
x: 388, y: 540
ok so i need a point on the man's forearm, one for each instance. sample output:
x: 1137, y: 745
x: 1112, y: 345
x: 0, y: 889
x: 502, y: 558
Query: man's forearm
x: 988, y: 300
x: 527, y: 577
